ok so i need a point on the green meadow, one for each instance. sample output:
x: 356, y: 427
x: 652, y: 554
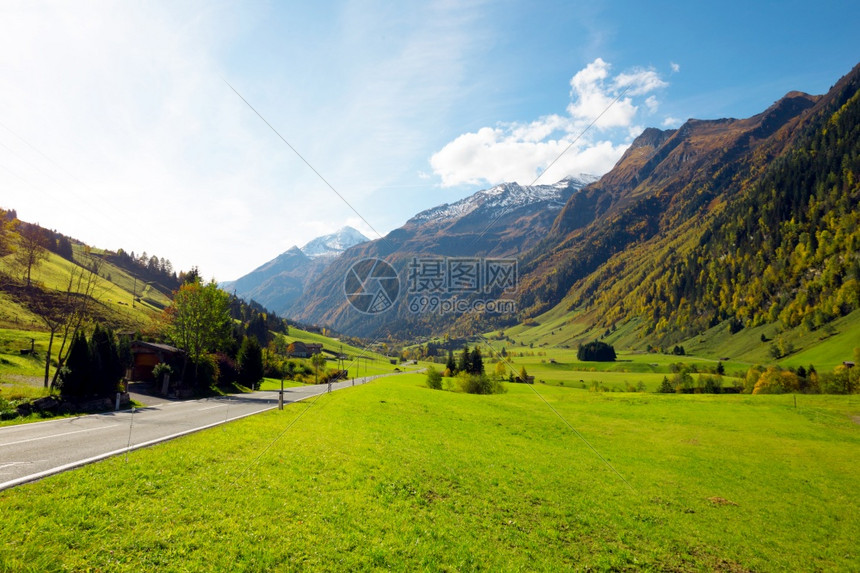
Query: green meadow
x: 394, y: 476
x: 560, y: 366
x: 825, y: 348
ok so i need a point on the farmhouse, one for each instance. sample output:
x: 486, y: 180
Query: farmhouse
x: 299, y: 349
x: 146, y: 355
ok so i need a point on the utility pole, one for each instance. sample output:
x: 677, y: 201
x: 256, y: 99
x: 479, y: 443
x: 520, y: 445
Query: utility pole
x: 281, y: 395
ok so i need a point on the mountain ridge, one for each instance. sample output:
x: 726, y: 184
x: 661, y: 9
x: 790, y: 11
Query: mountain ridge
x: 703, y: 226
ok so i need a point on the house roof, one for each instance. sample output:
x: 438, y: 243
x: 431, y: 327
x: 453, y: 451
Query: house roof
x: 156, y: 346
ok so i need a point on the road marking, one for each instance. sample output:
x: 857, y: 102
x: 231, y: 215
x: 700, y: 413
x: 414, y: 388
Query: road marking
x: 210, y: 408
x: 10, y: 464
x: 58, y: 435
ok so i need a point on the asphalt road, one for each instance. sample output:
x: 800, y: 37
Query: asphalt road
x: 33, y: 451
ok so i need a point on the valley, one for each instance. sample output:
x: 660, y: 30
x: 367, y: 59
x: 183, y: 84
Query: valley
x: 671, y: 382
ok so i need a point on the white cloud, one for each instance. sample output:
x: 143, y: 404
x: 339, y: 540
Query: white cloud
x: 652, y: 104
x: 670, y: 121
x: 675, y: 67
x: 521, y: 151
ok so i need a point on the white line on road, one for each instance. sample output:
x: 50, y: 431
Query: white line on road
x: 58, y: 435
x: 10, y: 464
x: 210, y: 408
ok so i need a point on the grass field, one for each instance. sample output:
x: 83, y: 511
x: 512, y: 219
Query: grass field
x: 394, y: 476
x: 560, y: 366
x: 825, y: 348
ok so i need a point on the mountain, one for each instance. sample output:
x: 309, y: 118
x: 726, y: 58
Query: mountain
x: 503, y: 221
x: 333, y: 245
x: 729, y: 223
x: 279, y: 283
x: 725, y: 224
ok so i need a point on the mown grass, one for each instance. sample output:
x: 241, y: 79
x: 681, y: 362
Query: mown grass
x: 392, y: 475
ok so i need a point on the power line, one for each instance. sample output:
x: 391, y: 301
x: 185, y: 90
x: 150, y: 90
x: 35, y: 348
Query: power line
x: 306, y: 162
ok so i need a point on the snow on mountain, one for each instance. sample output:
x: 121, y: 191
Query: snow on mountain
x: 507, y: 196
x: 334, y: 244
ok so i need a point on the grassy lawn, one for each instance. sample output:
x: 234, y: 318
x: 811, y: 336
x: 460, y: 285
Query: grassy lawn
x: 392, y: 475
x: 275, y: 384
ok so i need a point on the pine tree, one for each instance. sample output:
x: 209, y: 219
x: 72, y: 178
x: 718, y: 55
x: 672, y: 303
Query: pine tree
x: 463, y: 362
x: 250, y: 362
x: 105, y: 365
x: 451, y: 365
x: 74, y: 376
x: 476, y: 362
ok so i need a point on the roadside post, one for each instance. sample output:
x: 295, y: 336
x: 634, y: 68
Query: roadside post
x: 281, y: 396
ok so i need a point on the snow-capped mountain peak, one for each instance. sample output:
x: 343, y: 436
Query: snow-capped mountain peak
x: 508, y: 196
x: 334, y: 244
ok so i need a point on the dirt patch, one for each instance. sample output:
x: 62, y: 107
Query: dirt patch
x: 855, y: 419
x: 720, y: 501
x: 21, y: 379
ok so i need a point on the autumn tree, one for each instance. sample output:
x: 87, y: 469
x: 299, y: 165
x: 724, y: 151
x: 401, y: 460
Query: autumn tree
x: 198, y: 320
x: 501, y: 370
x: 318, y: 361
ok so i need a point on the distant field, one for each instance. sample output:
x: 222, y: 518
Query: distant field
x: 361, y: 361
x: 825, y: 347
x: 559, y: 366
x: 394, y: 476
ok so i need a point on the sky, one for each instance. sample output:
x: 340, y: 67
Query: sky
x: 219, y: 134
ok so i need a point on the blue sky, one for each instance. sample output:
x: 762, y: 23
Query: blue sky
x: 117, y: 126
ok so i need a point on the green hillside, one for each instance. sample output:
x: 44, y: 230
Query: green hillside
x: 737, y: 239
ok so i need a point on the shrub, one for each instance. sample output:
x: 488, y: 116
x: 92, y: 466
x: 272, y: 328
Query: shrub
x: 203, y: 372
x: 434, y: 378
x: 711, y: 384
x: 228, y: 371
x: 160, y: 370
x: 682, y: 382
x: 479, y: 384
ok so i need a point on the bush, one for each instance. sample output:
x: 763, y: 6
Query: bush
x: 228, y: 371
x: 202, y: 373
x: 434, y: 378
x: 711, y: 384
x: 160, y: 370
x: 479, y: 384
